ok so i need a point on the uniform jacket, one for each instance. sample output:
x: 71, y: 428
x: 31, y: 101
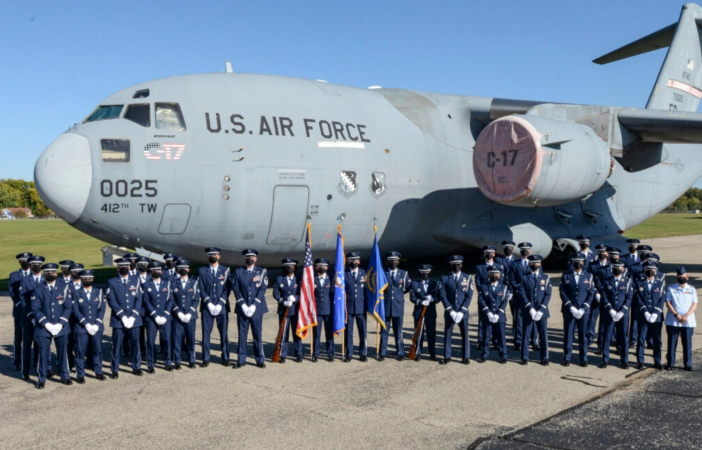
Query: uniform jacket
x: 26, y: 287
x: 324, y: 295
x: 355, y: 292
x: 481, y: 273
x: 124, y: 301
x: 516, y: 271
x: 418, y: 295
x: 456, y: 295
x: 492, y: 299
x: 589, y: 257
x: 281, y: 292
x: 250, y: 289
x: 14, y: 286
x: 535, y: 293
x: 649, y: 300
x: 579, y: 295
x: 616, y: 297
x: 88, y: 309
x: 185, y: 300
x: 395, y: 293
x: 507, y: 264
x: 51, y: 306
x: 215, y: 288
x: 157, y: 301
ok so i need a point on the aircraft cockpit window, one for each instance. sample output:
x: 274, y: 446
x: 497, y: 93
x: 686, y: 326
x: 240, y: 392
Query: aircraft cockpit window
x: 141, y: 94
x: 104, y: 112
x: 115, y: 150
x: 169, y: 117
x: 140, y: 114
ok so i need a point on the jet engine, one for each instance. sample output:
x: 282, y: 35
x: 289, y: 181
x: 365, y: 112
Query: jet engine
x: 533, y: 161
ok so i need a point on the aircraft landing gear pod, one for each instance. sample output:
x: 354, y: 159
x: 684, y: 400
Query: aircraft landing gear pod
x: 532, y: 161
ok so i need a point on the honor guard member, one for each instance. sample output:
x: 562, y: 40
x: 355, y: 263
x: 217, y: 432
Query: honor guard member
x: 652, y: 259
x: 456, y: 295
x: 534, y: 296
x: 355, y: 287
x: 215, y: 287
x: 481, y: 277
x: 506, y: 261
x: 601, y: 270
x: 158, y: 304
x: 519, y: 269
x: 26, y: 287
x: 67, y: 280
x: 324, y: 302
x: 425, y: 293
x: 585, y: 252
x: 14, y: 284
x: 287, y: 292
x: 132, y: 258
x: 492, y: 304
x: 649, y: 297
x: 52, y: 307
x: 681, y: 300
x: 142, y: 270
x: 186, y: 296
x: 577, y: 290
x: 250, y: 284
x: 398, y: 285
x: 125, y: 298
x: 65, y: 266
x: 89, y: 311
x: 142, y: 266
x: 169, y: 272
x: 633, y: 255
x: 616, y: 303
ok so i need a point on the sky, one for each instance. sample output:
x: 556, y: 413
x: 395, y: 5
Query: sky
x: 58, y: 60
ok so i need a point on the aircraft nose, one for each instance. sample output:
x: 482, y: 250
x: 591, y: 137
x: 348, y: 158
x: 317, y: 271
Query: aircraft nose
x: 63, y: 175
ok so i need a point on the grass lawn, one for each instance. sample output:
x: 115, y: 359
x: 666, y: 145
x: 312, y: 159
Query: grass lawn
x: 664, y: 225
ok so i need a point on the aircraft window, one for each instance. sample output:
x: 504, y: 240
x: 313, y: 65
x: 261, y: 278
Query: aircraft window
x: 141, y: 94
x: 115, y: 150
x: 140, y: 114
x: 169, y: 117
x: 104, y: 112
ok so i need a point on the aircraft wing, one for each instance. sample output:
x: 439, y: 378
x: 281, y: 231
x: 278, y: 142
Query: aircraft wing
x: 653, y: 125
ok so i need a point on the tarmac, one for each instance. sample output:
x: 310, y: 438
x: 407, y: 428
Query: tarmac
x: 389, y: 404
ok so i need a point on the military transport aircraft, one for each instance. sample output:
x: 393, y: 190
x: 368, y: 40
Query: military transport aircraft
x: 240, y: 160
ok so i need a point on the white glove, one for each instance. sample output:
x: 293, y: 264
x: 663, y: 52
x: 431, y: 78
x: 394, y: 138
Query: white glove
x: 160, y: 320
x: 619, y: 316
x: 598, y: 296
x: 647, y: 315
x: 613, y: 313
x: 245, y: 309
x: 490, y: 314
x: 50, y: 328
x: 181, y: 316
x: 187, y: 317
x: 217, y: 310
x: 453, y: 315
x: 125, y: 321
x: 130, y: 322
x: 429, y: 297
x: 653, y: 318
x: 287, y: 303
x: 574, y: 312
x: 211, y: 308
x: 495, y: 318
x: 532, y: 313
x: 252, y: 310
x: 57, y: 329
x: 459, y: 317
x: 426, y: 302
x: 581, y: 312
x: 291, y: 299
x: 91, y: 329
x: 538, y: 316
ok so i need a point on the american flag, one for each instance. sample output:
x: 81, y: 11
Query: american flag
x: 308, y: 307
x: 153, y: 151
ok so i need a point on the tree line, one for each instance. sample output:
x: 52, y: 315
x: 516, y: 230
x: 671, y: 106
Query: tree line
x: 22, y: 194
x: 690, y: 201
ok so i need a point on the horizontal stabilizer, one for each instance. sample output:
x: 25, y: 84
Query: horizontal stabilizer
x: 663, y: 126
x: 659, y: 39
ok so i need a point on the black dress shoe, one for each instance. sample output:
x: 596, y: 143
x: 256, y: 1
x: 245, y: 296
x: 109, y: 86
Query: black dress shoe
x: 114, y: 375
x: 400, y: 357
x: 624, y: 366
x: 18, y: 367
x: 688, y: 369
x: 261, y: 365
x: 667, y: 367
x: 480, y: 360
x: 66, y: 382
x: 603, y: 365
x: 346, y: 359
x: 631, y: 345
x: 150, y: 370
x: 363, y: 358
x: 314, y: 359
x: 517, y: 347
x: 503, y: 361
x: 138, y: 372
x: 177, y: 366
x: 658, y: 366
x: 169, y: 368
x: 536, y: 347
x: 282, y: 361
x: 80, y: 380
x: 380, y: 358
x: 639, y: 366
x: 330, y: 359
x: 73, y: 370
x: 236, y: 365
x: 49, y: 374
x: 465, y: 361
x: 225, y: 363
x: 40, y: 385
x: 432, y: 358
x: 583, y: 364
x: 191, y: 365
x: 204, y: 364
x: 24, y: 377
x: 418, y: 358
x: 298, y: 359
x: 598, y: 352
x: 565, y: 363
x: 100, y: 377
x: 524, y: 362
x: 544, y: 362
x: 445, y: 361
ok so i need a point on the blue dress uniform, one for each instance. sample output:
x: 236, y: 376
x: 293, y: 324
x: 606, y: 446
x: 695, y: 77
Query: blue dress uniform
x: 680, y: 299
x: 52, y: 307
x: 535, y: 293
x: 492, y: 303
x: 26, y: 287
x: 518, y: 270
x: 648, y: 309
x: 169, y: 270
x: 635, y: 272
x: 428, y: 291
x: 186, y: 297
x: 125, y: 300
x: 89, y: 307
x: 250, y: 293
x: 68, y: 281
x: 355, y: 287
x: 215, y: 286
x: 284, y: 288
x: 481, y: 277
x: 577, y: 292
x: 600, y: 272
x: 14, y: 284
x: 456, y: 295
x: 158, y: 304
x: 506, y: 262
x: 324, y: 302
x: 616, y: 303
x: 587, y: 254
x: 398, y: 285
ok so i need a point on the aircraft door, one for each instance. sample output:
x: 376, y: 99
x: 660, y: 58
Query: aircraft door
x: 175, y: 218
x: 289, y: 214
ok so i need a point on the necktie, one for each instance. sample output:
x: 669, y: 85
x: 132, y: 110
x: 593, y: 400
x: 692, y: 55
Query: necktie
x: 289, y: 281
x: 124, y: 280
x: 355, y: 276
x: 577, y: 278
x: 392, y: 274
x: 36, y: 279
x: 51, y: 288
x: 185, y: 282
x: 455, y: 279
x: 426, y: 287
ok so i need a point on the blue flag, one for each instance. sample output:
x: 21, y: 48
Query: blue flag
x: 339, y: 286
x: 376, y: 283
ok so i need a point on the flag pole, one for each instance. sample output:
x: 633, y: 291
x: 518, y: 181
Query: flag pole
x: 343, y: 331
x: 377, y: 324
x: 309, y: 236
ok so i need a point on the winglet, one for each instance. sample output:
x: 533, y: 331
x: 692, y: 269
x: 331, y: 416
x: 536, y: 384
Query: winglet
x: 654, y: 41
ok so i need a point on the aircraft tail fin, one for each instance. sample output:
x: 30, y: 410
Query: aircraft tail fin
x: 679, y: 83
